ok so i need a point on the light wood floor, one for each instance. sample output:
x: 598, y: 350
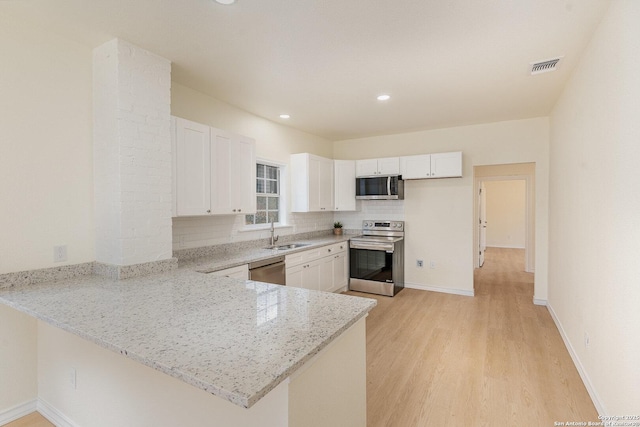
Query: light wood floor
x: 32, y: 420
x: 446, y: 360
x: 495, y: 359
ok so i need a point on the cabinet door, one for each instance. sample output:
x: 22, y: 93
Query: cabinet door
x: 221, y: 175
x: 367, y: 167
x: 311, y: 183
x: 446, y: 165
x: 193, y: 176
x: 233, y: 169
x: 340, y: 270
x: 325, y: 191
x: 326, y: 274
x: 243, y: 165
x: 389, y: 166
x: 415, y: 167
x: 344, y: 185
x: 293, y: 276
x: 311, y: 275
x: 313, y: 192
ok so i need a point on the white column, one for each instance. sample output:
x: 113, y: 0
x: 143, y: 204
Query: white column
x: 132, y: 154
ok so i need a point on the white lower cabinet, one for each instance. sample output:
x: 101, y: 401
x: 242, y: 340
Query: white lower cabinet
x: 320, y: 269
x: 305, y: 276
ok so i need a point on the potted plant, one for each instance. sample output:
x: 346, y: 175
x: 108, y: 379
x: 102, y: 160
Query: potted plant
x: 337, y: 228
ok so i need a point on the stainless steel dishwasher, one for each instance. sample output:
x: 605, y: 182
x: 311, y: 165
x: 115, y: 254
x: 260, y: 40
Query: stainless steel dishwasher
x: 271, y: 270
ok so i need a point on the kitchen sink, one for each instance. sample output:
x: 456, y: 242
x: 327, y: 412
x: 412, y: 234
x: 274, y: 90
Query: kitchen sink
x: 288, y: 246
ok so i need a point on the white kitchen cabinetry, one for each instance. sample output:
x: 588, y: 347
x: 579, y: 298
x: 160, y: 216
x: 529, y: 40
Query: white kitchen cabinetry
x: 344, y: 185
x: 192, y: 171
x: 373, y: 167
x: 325, y: 268
x: 233, y: 164
x: 239, y: 272
x: 446, y: 165
x: 439, y: 165
x: 311, y: 183
x: 214, y: 171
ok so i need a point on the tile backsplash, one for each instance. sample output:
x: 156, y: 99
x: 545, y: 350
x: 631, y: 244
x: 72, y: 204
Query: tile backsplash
x: 196, y: 232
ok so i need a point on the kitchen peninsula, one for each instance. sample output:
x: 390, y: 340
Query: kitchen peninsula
x: 251, y: 352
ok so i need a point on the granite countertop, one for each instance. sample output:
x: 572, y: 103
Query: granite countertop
x: 233, y: 258
x: 235, y: 339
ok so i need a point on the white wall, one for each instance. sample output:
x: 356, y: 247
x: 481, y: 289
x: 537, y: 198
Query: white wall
x: 439, y: 214
x: 18, y: 358
x: 506, y: 209
x: 46, y: 182
x: 594, y: 268
x: 274, y: 142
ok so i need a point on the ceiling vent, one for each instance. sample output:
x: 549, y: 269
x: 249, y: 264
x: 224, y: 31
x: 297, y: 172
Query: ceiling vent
x: 545, y: 66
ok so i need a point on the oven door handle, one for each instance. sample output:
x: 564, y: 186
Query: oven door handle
x: 387, y: 247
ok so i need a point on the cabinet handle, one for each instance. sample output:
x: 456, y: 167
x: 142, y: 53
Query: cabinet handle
x: 239, y: 210
x: 208, y: 210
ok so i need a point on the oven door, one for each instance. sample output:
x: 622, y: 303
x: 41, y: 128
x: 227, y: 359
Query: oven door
x: 371, y: 268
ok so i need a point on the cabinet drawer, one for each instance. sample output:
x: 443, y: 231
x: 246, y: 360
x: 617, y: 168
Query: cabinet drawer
x: 302, y: 257
x: 239, y: 272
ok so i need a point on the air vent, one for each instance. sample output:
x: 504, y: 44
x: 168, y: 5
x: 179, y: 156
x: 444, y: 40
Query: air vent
x: 545, y: 66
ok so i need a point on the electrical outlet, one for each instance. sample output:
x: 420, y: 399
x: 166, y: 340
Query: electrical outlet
x: 432, y: 264
x: 419, y: 263
x: 60, y: 253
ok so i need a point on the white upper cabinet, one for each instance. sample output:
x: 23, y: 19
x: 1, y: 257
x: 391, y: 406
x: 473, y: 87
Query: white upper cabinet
x: 192, y: 173
x: 373, y: 167
x: 415, y: 167
x: 446, y: 165
x: 311, y: 183
x: 233, y: 164
x: 214, y: 171
x: 440, y: 165
x: 344, y: 185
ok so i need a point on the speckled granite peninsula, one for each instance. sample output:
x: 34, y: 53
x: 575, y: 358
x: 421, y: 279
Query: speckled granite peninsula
x: 235, y: 339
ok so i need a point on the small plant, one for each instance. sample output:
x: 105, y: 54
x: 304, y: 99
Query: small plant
x: 337, y: 224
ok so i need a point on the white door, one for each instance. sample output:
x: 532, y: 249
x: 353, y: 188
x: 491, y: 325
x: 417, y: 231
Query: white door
x: 482, y: 223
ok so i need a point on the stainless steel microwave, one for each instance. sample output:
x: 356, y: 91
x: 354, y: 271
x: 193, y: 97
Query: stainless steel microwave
x: 380, y: 188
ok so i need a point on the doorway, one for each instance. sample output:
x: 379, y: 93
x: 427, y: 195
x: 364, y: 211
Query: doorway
x: 505, y: 195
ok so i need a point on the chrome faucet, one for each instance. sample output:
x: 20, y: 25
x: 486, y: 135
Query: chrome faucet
x: 274, y: 238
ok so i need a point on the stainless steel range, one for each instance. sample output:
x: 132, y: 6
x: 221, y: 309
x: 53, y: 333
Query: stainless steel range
x: 377, y: 258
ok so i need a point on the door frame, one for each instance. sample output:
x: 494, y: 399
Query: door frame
x: 529, y: 266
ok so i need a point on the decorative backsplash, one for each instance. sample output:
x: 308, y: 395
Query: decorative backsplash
x: 196, y: 232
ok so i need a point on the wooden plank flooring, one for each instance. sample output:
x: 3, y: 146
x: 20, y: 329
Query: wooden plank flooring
x: 446, y: 360
x: 436, y: 359
x: 32, y: 420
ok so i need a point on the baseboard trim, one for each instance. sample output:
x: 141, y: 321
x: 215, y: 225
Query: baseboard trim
x: 18, y: 411
x: 439, y: 289
x: 52, y: 414
x: 538, y: 301
x: 505, y: 247
x: 578, y: 364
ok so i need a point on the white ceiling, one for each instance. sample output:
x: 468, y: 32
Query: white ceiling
x: 444, y: 62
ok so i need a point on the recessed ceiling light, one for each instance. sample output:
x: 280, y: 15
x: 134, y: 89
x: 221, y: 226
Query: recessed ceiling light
x: 284, y: 116
x: 383, y: 97
x: 226, y: 1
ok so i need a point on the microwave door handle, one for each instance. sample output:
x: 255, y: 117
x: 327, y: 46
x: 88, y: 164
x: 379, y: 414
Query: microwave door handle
x: 388, y: 186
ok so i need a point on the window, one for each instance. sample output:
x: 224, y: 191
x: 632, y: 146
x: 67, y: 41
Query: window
x: 268, y: 195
